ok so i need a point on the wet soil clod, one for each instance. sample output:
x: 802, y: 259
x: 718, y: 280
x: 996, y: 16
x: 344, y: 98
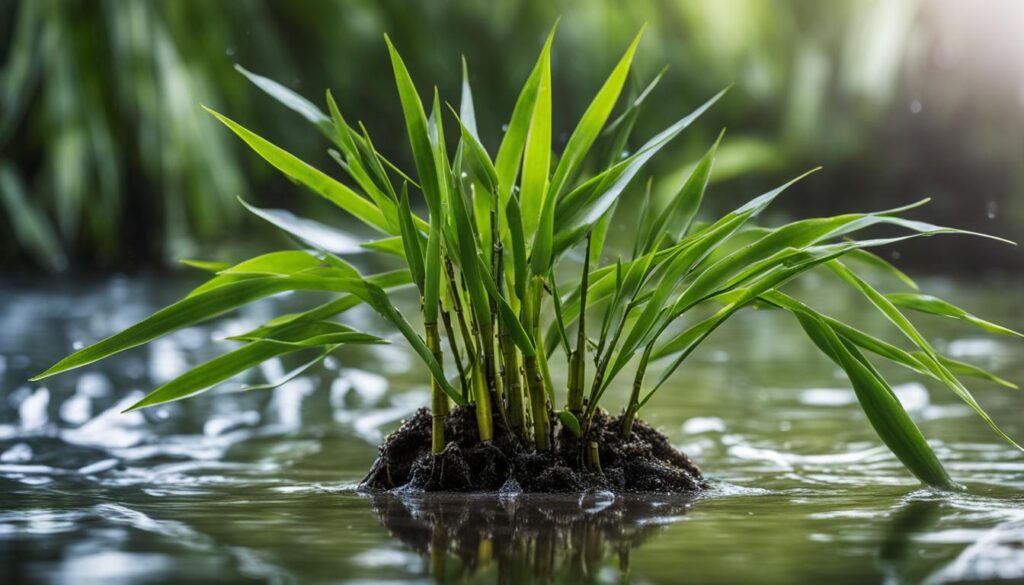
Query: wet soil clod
x: 644, y: 463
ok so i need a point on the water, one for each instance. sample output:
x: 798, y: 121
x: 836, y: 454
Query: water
x: 259, y: 487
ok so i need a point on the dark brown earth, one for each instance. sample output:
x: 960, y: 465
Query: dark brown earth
x: 644, y: 463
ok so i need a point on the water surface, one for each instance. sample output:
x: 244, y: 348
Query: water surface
x: 259, y: 487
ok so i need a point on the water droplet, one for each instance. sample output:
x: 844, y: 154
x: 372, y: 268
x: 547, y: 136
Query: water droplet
x: 504, y: 127
x: 230, y: 51
x: 77, y: 345
x: 624, y: 154
x: 915, y: 107
x: 896, y: 255
x: 991, y: 209
x: 464, y: 174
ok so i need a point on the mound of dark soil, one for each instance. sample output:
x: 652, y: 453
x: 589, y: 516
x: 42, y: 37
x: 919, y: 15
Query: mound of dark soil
x: 645, y: 462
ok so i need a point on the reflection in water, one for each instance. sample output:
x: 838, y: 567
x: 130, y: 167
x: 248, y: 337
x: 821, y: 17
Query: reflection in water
x: 526, y: 538
x: 895, y: 553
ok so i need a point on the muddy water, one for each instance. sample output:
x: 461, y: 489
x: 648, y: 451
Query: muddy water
x: 258, y: 487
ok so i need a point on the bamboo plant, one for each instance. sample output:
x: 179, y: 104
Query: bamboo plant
x: 499, y: 231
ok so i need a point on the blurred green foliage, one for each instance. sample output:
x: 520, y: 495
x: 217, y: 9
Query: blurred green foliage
x: 107, y: 159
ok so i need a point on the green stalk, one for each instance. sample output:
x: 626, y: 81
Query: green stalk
x: 453, y: 287
x: 577, y: 363
x: 510, y: 376
x: 490, y: 362
x: 512, y: 383
x: 633, y: 406
x: 538, y: 403
x: 534, y: 379
x: 438, y: 399
x: 484, y: 420
x: 449, y: 331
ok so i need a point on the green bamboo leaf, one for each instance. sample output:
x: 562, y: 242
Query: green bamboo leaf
x: 290, y: 100
x: 318, y: 235
x: 510, y: 153
x: 467, y: 249
x: 375, y: 296
x: 384, y: 199
x: 592, y: 121
x: 476, y: 154
x: 937, y: 306
x: 884, y: 411
x: 393, y: 280
x: 515, y: 225
x: 930, y: 359
x: 537, y: 155
x: 570, y: 422
x: 879, y: 263
x: 282, y: 263
x: 198, y: 308
x: 312, y: 178
x: 392, y: 246
x: 586, y: 204
x: 679, y: 215
x: 467, y: 113
x: 205, y: 265
x: 965, y: 369
x: 416, y: 126
x: 911, y: 360
x: 411, y: 240
x: 213, y: 372
x: 505, y: 312
x: 295, y: 337
x: 319, y: 333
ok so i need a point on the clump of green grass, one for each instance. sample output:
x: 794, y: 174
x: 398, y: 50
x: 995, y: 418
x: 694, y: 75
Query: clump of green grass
x: 484, y: 262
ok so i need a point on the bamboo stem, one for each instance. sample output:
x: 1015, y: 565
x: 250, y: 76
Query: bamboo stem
x: 438, y: 399
x: 633, y: 406
x: 484, y: 419
x: 457, y: 306
x: 538, y: 403
x: 577, y: 362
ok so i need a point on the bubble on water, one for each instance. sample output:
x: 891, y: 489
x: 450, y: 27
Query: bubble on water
x: 991, y: 209
x: 915, y: 107
x: 19, y: 453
